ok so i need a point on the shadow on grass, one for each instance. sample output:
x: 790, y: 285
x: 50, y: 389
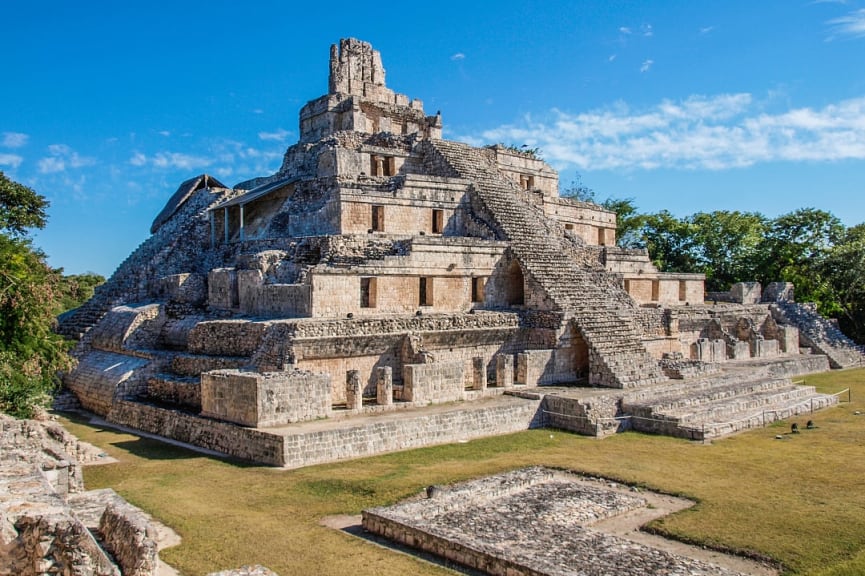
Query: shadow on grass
x: 152, y: 447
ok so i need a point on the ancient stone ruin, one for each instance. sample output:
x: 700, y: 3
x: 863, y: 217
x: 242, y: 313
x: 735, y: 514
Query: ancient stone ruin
x: 542, y: 522
x: 388, y: 289
x: 50, y: 525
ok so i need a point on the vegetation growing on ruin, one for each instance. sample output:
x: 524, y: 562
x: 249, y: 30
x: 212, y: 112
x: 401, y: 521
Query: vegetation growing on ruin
x: 795, y: 500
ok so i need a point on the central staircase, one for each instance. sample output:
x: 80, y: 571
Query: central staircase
x: 601, y: 310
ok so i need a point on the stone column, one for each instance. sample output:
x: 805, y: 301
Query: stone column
x: 384, y: 386
x: 353, y: 391
x: 479, y: 373
x: 504, y: 371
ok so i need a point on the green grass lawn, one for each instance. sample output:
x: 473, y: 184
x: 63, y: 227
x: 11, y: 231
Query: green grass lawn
x: 799, y: 501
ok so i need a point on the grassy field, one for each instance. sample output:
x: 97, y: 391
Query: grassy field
x: 799, y: 501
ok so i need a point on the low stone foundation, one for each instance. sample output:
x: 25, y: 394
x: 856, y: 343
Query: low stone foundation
x: 529, y: 522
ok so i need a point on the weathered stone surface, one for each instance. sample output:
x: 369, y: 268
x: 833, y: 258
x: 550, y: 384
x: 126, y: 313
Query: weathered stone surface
x: 529, y: 522
x: 380, y: 248
x: 41, y: 531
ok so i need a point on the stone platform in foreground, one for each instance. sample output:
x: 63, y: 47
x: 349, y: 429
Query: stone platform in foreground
x: 535, y: 522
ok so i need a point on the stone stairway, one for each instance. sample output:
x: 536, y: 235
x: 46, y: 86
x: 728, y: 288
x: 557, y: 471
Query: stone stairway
x: 819, y: 334
x: 152, y: 258
x: 717, y: 407
x: 600, y: 309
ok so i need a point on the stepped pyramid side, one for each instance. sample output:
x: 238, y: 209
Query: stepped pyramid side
x: 382, y: 268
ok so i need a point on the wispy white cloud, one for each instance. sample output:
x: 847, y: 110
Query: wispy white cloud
x: 138, y: 159
x: 51, y: 164
x: 13, y: 160
x: 165, y: 133
x: 458, y: 56
x: 706, y: 30
x: 645, y: 30
x: 14, y: 139
x: 279, y: 135
x: 851, y: 25
x: 714, y: 132
x: 647, y: 65
x: 62, y: 157
x: 179, y: 161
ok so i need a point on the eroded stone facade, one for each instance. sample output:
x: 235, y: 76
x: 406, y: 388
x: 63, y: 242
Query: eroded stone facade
x: 383, y: 268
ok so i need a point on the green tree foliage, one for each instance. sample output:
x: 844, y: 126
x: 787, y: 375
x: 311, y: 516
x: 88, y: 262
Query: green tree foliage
x: 30, y: 353
x: 793, y: 250
x: 76, y: 289
x: 628, y: 221
x: 727, y: 246
x: 844, y: 269
x: 20, y: 208
x: 578, y: 191
x: 671, y: 242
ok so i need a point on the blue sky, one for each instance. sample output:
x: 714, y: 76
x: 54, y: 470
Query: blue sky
x: 690, y: 106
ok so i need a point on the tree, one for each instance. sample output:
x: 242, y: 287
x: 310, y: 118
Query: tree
x: 76, y: 289
x: 20, y: 208
x: 30, y: 353
x: 671, y: 242
x: 844, y: 270
x: 728, y: 245
x: 793, y: 251
x: 628, y: 221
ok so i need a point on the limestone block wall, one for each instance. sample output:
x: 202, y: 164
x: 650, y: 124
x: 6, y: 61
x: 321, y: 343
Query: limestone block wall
x: 174, y: 334
x: 260, y: 299
x: 434, y: 383
x: 241, y: 442
x: 517, y: 165
x: 595, y: 417
x: 396, y: 217
x: 269, y: 399
x: 186, y: 288
x: 101, y: 376
x: 365, y: 365
x: 222, y: 288
x: 120, y: 324
x: 477, y: 421
x: 640, y: 289
x: 594, y: 225
x: 175, y: 391
x: 659, y: 345
x: 443, y: 271
x: 739, y: 293
x: 542, y: 367
x: 125, y: 531
x: 226, y: 337
x: 314, y: 220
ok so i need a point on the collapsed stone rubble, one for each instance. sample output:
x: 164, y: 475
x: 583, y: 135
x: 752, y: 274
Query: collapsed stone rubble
x: 49, y: 524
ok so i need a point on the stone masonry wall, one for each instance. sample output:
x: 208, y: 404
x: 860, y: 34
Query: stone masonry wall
x: 476, y: 421
x: 237, y: 441
x: 434, y: 383
x: 269, y: 399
